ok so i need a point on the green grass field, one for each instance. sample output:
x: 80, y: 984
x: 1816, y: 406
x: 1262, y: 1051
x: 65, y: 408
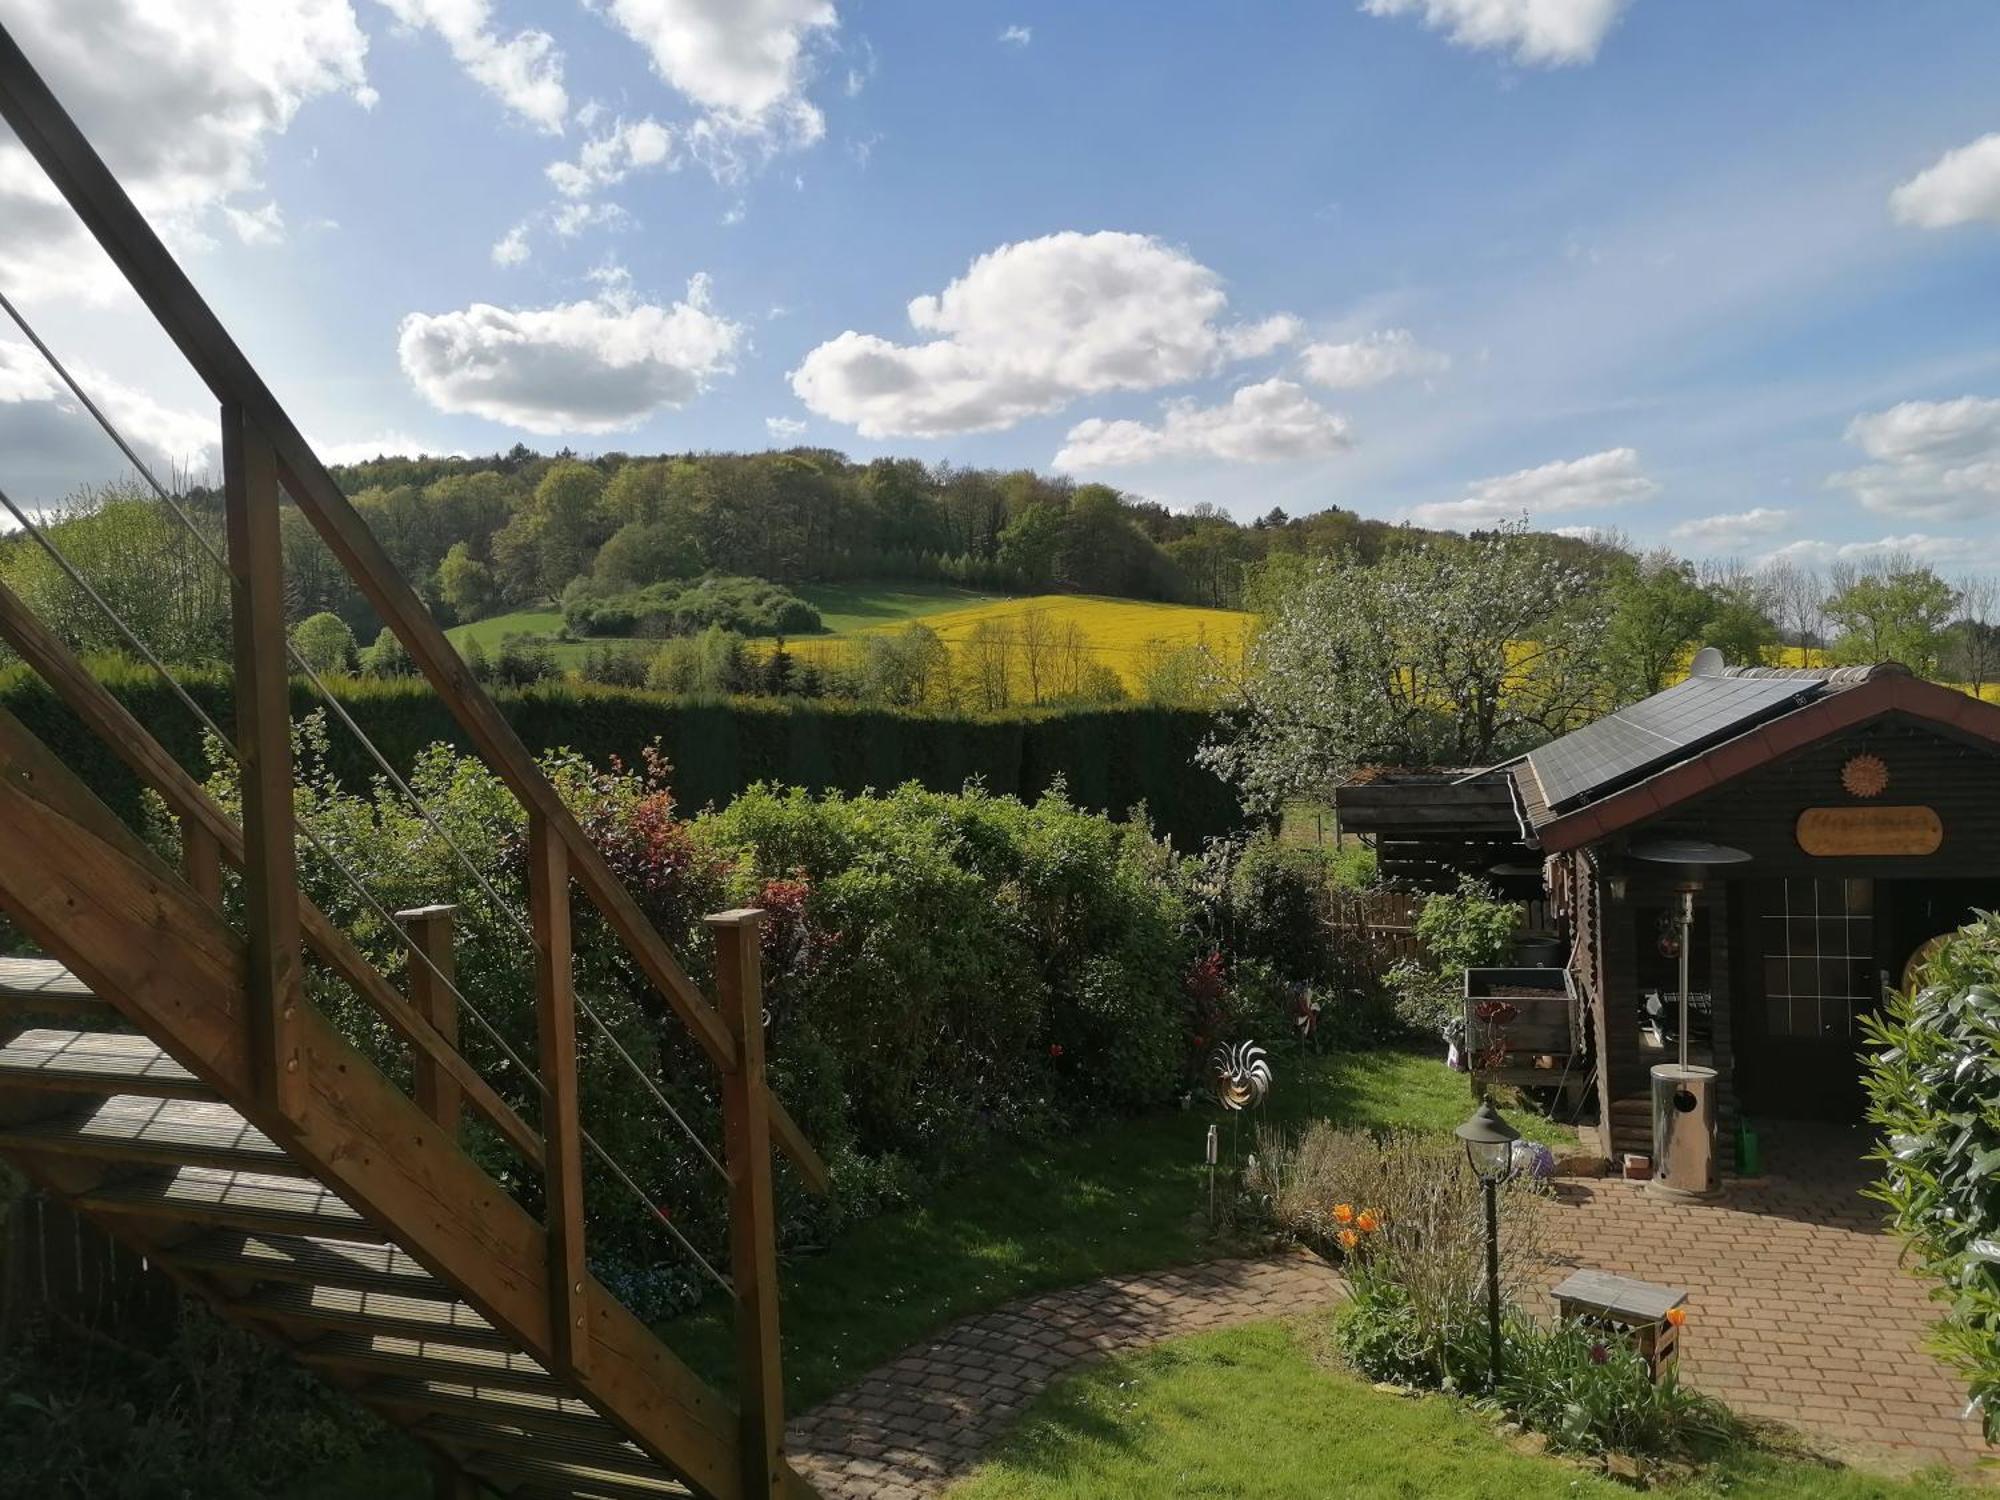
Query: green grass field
x: 849, y: 607
x: 1266, y: 1413
x: 1124, y: 1197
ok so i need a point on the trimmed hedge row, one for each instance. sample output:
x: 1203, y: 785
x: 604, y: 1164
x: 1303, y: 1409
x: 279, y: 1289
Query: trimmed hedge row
x: 1111, y: 758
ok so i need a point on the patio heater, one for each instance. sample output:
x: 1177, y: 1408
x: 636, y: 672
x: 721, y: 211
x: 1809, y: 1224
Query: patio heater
x: 1684, y: 1102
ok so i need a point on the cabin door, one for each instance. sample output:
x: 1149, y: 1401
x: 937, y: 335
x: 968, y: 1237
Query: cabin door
x: 1811, y: 966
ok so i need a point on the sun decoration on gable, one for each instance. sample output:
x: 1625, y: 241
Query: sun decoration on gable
x: 1865, y: 776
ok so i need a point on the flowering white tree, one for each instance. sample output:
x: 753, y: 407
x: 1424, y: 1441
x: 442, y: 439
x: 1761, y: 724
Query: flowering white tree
x: 1447, y: 653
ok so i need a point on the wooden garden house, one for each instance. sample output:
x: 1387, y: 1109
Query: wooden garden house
x: 1868, y: 801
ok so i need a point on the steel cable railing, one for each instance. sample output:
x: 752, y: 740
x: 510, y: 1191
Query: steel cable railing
x: 202, y: 717
x: 39, y: 534
x: 326, y: 696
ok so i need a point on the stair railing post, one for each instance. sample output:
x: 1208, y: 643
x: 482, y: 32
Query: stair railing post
x: 264, y: 752
x: 753, y: 1233
x: 433, y: 973
x: 562, y: 1137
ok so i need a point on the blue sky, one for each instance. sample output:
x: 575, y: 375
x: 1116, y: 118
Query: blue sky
x: 1716, y: 275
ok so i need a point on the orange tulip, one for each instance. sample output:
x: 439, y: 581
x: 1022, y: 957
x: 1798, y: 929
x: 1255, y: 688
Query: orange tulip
x: 1676, y: 1316
x: 1343, y: 1213
x: 1368, y: 1221
x: 1348, y: 1239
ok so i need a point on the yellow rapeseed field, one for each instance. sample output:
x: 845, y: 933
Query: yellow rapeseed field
x: 1118, y: 633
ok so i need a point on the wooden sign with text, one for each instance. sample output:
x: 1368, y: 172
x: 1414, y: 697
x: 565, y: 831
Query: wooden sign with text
x: 1860, y: 832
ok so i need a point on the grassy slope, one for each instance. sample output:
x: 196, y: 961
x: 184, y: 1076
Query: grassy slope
x: 1261, y: 1413
x: 1123, y: 1197
x: 849, y: 607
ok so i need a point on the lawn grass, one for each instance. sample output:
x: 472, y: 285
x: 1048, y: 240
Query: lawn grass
x: 491, y: 631
x: 1125, y: 1197
x: 1261, y: 1413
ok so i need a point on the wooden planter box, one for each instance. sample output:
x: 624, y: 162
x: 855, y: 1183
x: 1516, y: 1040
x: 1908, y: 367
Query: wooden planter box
x: 1540, y: 1047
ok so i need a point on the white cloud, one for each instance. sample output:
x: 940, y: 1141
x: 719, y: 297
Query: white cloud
x: 1018, y: 36
x: 1735, y: 529
x: 1957, y: 188
x: 598, y: 365
x: 743, y: 62
x: 1933, y: 460
x: 53, y: 445
x: 1370, y: 360
x: 1027, y: 329
x: 256, y: 226
x: 524, y: 71
x: 608, y: 159
x: 181, y: 98
x: 1918, y: 545
x: 1548, y: 33
x: 785, y: 429
x: 394, y: 443
x: 1261, y: 423
x: 511, y: 249
x: 571, y: 219
x: 1595, y: 482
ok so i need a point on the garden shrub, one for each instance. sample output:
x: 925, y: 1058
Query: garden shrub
x: 939, y: 968
x: 1933, y: 1080
x: 1417, y: 1277
x: 1588, y: 1390
x: 1469, y: 928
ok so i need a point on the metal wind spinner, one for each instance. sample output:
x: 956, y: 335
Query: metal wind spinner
x: 1242, y: 1075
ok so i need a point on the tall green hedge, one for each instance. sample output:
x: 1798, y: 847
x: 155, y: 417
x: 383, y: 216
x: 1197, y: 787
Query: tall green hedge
x: 1112, y: 758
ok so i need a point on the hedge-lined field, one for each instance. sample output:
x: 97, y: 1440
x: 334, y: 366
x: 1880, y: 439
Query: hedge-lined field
x: 1111, y: 758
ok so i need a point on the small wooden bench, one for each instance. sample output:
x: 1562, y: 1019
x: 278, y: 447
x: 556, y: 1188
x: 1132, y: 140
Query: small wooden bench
x: 1633, y: 1309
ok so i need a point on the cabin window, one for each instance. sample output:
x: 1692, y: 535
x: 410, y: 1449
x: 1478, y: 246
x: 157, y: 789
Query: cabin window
x: 1818, y: 947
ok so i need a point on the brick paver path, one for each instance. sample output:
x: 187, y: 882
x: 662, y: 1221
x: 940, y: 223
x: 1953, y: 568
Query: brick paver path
x: 1799, y: 1312
x: 917, y: 1422
x: 1798, y: 1308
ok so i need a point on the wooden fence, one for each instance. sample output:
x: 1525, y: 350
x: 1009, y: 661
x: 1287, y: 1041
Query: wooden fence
x: 55, y: 1263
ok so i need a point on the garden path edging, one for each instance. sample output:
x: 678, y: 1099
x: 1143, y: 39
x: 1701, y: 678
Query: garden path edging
x: 910, y: 1427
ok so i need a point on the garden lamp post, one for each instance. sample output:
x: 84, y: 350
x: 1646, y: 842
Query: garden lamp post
x: 1489, y: 1146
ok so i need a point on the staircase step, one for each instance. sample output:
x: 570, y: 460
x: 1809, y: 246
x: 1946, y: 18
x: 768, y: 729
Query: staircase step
x: 238, y: 1200
x: 609, y: 1453
x: 371, y: 1312
x: 43, y: 987
x: 554, y: 1476
x: 130, y: 1127
x: 313, y: 1262
x: 537, y: 1411
x: 96, y: 1061
x: 431, y: 1359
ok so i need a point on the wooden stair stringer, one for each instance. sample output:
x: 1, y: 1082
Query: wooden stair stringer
x: 86, y: 889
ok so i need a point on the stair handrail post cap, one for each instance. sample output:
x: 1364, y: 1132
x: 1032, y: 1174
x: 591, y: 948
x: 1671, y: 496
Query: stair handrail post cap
x: 742, y: 916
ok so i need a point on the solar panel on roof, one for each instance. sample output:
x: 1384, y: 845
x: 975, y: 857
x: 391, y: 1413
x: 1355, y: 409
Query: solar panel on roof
x: 1657, y: 729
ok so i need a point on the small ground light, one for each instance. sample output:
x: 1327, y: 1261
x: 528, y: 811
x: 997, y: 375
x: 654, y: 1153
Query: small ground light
x: 1489, y: 1147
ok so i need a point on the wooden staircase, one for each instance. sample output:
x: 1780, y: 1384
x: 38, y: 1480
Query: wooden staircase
x: 165, y: 1071
x: 144, y: 1147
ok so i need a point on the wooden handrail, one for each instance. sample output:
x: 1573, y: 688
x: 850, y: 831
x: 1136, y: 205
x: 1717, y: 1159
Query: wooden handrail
x: 186, y: 799
x: 79, y: 174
